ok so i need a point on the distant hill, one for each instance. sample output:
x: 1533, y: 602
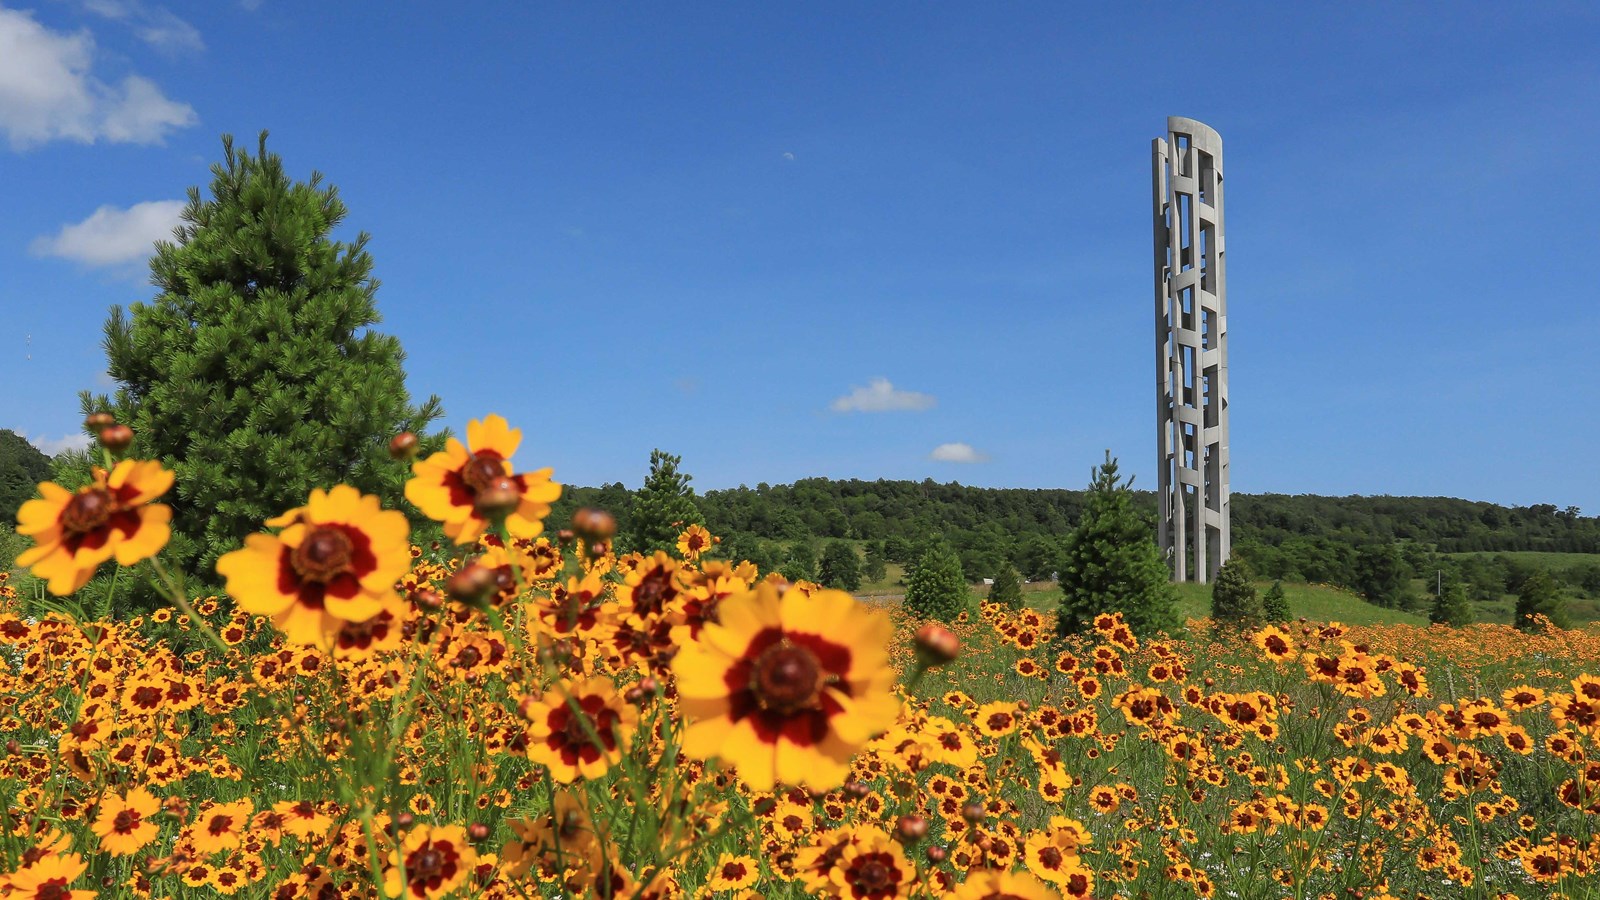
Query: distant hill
x: 1300, y: 537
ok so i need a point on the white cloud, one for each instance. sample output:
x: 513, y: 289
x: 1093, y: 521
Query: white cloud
x: 140, y: 114
x: 48, y: 93
x: 52, y: 446
x: 155, y: 25
x: 881, y: 396
x: 958, y: 453
x: 112, y: 236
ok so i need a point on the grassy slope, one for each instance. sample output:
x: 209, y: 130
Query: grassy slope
x: 1541, y: 558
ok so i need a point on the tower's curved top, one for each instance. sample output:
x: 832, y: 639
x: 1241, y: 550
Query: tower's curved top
x: 1200, y: 134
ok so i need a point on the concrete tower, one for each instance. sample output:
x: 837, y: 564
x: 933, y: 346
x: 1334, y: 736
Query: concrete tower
x: 1191, y: 350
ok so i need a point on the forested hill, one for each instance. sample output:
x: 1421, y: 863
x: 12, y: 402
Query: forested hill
x: 998, y: 519
x: 874, y: 510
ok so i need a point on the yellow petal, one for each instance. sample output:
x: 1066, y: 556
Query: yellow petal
x: 493, y: 433
x: 153, y: 534
x: 252, y: 576
x: 304, y: 625
x: 35, y: 516
x: 147, y: 477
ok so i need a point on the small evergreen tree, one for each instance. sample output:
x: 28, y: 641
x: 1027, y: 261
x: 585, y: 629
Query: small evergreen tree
x: 255, y: 374
x: 1274, y: 605
x: 1540, y: 595
x: 840, y: 567
x: 875, y: 567
x: 1007, y: 587
x: 1234, y: 601
x: 1112, y: 563
x: 935, y: 588
x: 1451, y: 606
x: 664, y: 506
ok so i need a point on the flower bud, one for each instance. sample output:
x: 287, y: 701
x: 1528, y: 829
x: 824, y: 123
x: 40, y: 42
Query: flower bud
x: 973, y: 812
x: 427, y: 600
x: 910, y: 829
x: 936, y: 854
x: 99, y: 421
x: 471, y: 584
x: 403, y: 446
x: 498, y: 499
x: 116, y: 438
x: 477, y: 832
x: 937, y: 644
x: 594, y: 524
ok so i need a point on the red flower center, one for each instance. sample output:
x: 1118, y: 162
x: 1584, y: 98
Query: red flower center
x: 323, y: 555
x: 481, y: 471
x: 873, y: 877
x: 786, y: 678
x: 54, y: 889
x: 87, y: 511
x: 427, y: 864
x: 125, y: 821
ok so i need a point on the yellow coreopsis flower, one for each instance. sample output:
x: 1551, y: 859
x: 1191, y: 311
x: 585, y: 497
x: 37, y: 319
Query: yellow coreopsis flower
x: 336, y: 560
x: 580, y: 730
x: 123, y: 824
x: 787, y: 688
x: 446, y: 485
x: 74, y: 532
x: 991, y: 885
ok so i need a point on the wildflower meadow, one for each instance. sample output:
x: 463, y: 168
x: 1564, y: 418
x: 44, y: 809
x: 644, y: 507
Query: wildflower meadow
x: 516, y: 713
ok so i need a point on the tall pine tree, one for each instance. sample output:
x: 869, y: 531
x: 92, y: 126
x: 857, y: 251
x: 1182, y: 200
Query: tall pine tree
x: 664, y: 506
x: 255, y: 374
x: 1112, y: 563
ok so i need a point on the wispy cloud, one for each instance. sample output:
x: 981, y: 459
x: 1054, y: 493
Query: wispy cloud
x: 958, y: 453
x: 47, y: 91
x: 112, y: 236
x: 881, y: 396
x: 52, y: 446
x: 155, y: 25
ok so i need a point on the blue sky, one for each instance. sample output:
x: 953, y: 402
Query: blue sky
x: 705, y: 227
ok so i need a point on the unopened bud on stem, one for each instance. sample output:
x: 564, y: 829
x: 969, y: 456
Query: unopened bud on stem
x: 404, y: 446
x: 936, y: 644
x: 116, y: 438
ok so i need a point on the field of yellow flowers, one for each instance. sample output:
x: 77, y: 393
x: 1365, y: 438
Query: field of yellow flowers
x: 527, y: 715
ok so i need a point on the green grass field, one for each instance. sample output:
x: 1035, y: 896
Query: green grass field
x: 1316, y: 602
x: 1543, y: 559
